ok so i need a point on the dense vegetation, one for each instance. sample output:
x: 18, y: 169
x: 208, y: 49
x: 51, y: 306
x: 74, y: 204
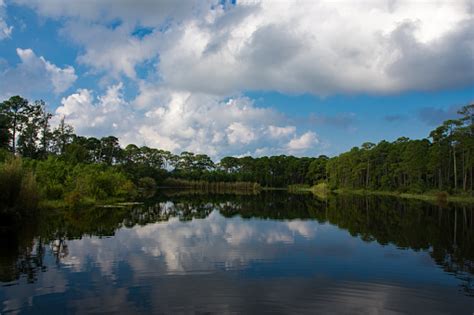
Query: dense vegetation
x: 84, y: 170
x: 444, y: 163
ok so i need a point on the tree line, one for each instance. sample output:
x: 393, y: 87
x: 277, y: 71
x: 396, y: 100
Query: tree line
x: 444, y: 161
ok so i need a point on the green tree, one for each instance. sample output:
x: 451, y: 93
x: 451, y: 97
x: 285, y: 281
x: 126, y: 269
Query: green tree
x: 16, y: 110
x: 110, y: 150
x: 62, y: 135
x: 34, y: 137
x: 5, y: 135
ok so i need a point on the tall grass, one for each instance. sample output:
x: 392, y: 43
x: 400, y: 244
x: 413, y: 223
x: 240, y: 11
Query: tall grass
x: 18, y: 190
x: 213, y: 187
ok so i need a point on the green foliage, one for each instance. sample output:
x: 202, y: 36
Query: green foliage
x: 78, y: 182
x: 99, y: 182
x: 5, y: 135
x: 19, y: 197
x: 321, y: 190
x: 84, y: 170
x: 416, y: 166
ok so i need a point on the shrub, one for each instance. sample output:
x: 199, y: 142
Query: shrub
x: 51, y: 175
x: 99, y: 182
x: 53, y: 191
x: 19, y: 197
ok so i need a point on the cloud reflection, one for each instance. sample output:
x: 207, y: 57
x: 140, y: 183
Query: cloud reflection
x: 194, y: 246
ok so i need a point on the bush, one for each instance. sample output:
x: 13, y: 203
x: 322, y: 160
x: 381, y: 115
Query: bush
x: 53, y: 191
x: 19, y: 197
x: 51, y: 175
x: 99, y: 182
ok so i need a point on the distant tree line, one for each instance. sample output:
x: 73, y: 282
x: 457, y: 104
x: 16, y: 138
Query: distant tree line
x: 445, y: 162
x: 26, y: 132
x: 58, y: 157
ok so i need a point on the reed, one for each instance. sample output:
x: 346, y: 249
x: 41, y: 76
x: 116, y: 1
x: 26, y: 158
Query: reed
x: 213, y: 187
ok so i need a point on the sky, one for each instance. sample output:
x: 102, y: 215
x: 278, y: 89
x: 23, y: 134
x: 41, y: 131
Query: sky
x: 242, y: 77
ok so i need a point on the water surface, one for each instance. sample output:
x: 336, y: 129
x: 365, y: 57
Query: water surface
x: 271, y: 252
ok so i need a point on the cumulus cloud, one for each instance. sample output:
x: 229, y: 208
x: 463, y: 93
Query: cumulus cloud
x: 239, y: 133
x: 145, y: 12
x: 192, y: 60
x: 183, y: 121
x: 304, y: 142
x: 35, y: 73
x: 119, y: 54
x: 104, y: 115
x: 321, y: 47
x: 278, y: 132
x: 445, y: 62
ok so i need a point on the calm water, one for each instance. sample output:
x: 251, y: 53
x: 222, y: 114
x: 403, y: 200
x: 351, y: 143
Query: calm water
x: 273, y: 252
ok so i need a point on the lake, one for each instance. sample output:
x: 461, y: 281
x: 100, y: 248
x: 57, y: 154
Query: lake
x: 273, y: 252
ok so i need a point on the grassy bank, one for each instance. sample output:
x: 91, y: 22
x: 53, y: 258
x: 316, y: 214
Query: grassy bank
x: 322, y: 190
x: 429, y: 196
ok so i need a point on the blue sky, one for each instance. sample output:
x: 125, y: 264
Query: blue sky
x: 245, y: 77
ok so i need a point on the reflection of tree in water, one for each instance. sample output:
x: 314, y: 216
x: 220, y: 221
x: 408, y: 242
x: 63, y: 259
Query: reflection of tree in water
x: 163, y: 211
x: 447, y: 235
x: 59, y: 249
x: 22, y: 255
x: 457, y: 256
x: 446, y: 231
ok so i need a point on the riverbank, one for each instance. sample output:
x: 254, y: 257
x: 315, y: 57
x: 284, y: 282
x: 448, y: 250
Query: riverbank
x: 322, y: 190
x: 432, y: 196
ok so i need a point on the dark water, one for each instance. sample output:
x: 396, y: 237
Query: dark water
x: 273, y: 253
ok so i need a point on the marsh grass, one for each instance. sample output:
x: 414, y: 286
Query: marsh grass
x: 213, y: 187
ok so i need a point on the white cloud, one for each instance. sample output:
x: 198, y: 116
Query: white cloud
x: 304, y: 142
x: 194, y: 55
x: 319, y: 47
x: 61, y: 79
x: 239, y: 133
x: 119, y: 54
x: 322, y: 48
x: 5, y: 30
x: 102, y: 116
x: 278, y: 132
x: 180, y: 121
x: 35, y: 74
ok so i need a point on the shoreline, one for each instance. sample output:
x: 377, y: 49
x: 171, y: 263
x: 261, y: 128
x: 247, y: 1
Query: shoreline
x: 424, y: 197
x: 323, y: 190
